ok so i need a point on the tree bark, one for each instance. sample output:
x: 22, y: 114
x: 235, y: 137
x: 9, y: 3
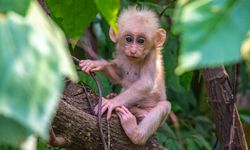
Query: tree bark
x: 75, y: 123
x: 225, y: 114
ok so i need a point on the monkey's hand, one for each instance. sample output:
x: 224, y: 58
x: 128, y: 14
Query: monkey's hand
x: 107, y: 105
x: 88, y: 66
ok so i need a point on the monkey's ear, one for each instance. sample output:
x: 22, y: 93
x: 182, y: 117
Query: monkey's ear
x: 112, y: 35
x: 160, y: 37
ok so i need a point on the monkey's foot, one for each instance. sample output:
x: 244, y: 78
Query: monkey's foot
x: 129, y: 125
x: 135, y: 135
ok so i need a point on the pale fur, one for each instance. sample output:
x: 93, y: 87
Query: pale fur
x: 149, y: 107
x: 143, y: 80
x: 143, y: 15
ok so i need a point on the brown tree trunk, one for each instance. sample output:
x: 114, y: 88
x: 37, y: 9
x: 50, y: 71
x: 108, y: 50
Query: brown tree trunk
x: 225, y: 114
x: 74, y: 122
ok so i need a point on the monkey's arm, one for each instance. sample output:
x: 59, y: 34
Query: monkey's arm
x: 108, y: 68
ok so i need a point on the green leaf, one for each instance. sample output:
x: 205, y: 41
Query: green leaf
x: 166, y: 129
x: 211, y: 32
x: 202, y: 119
x: 245, y: 118
x: 186, y: 79
x: 166, y: 136
x: 19, y: 6
x: 170, y: 62
x: 109, y: 9
x: 73, y: 16
x: 171, y: 144
x: 245, y: 115
x: 33, y: 60
x: 191, y: 145
x: 202, y: 142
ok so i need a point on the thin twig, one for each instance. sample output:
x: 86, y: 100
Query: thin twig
x: 99, y: 110
x: 163, y: 11
x: 167, y: 6
x: 88, y: 98
x: 99, y: 106
x: 75, y: 59
x: 85, y: 90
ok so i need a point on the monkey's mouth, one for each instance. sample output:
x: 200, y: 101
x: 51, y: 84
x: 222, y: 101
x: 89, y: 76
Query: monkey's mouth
x: 134, y: 58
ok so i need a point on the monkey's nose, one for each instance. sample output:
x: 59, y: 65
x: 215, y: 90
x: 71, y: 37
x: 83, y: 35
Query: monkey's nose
x: 132, y: 52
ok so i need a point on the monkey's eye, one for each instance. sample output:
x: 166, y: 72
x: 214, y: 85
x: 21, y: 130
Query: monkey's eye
x: 141, y: 40
x: 129, y: 39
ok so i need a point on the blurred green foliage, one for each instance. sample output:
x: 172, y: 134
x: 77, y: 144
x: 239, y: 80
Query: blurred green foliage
x: 217, y: 27
x: 19, y: 6
x: 65, y: 13
x: 33, y: 62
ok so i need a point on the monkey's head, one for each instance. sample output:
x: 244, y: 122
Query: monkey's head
x: 139, y: 33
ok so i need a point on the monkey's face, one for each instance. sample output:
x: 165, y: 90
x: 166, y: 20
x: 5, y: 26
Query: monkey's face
x: 135, y: 41
x: 135, y: 45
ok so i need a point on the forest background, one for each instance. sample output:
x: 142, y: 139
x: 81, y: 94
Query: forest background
x: 201, y: 34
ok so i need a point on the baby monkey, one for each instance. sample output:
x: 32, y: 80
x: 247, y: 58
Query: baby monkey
x: 142, y: 105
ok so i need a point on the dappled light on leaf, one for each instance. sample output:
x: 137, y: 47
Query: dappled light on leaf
x: 109, y: 9
x: 212, y: 29
x: 245, y: 49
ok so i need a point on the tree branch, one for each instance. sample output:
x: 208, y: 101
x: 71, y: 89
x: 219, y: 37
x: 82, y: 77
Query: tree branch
x: 229, y: 129
x: 75, y: 123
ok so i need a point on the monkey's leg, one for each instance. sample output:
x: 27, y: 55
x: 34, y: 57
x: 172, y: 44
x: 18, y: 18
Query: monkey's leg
x: 139, y: 134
